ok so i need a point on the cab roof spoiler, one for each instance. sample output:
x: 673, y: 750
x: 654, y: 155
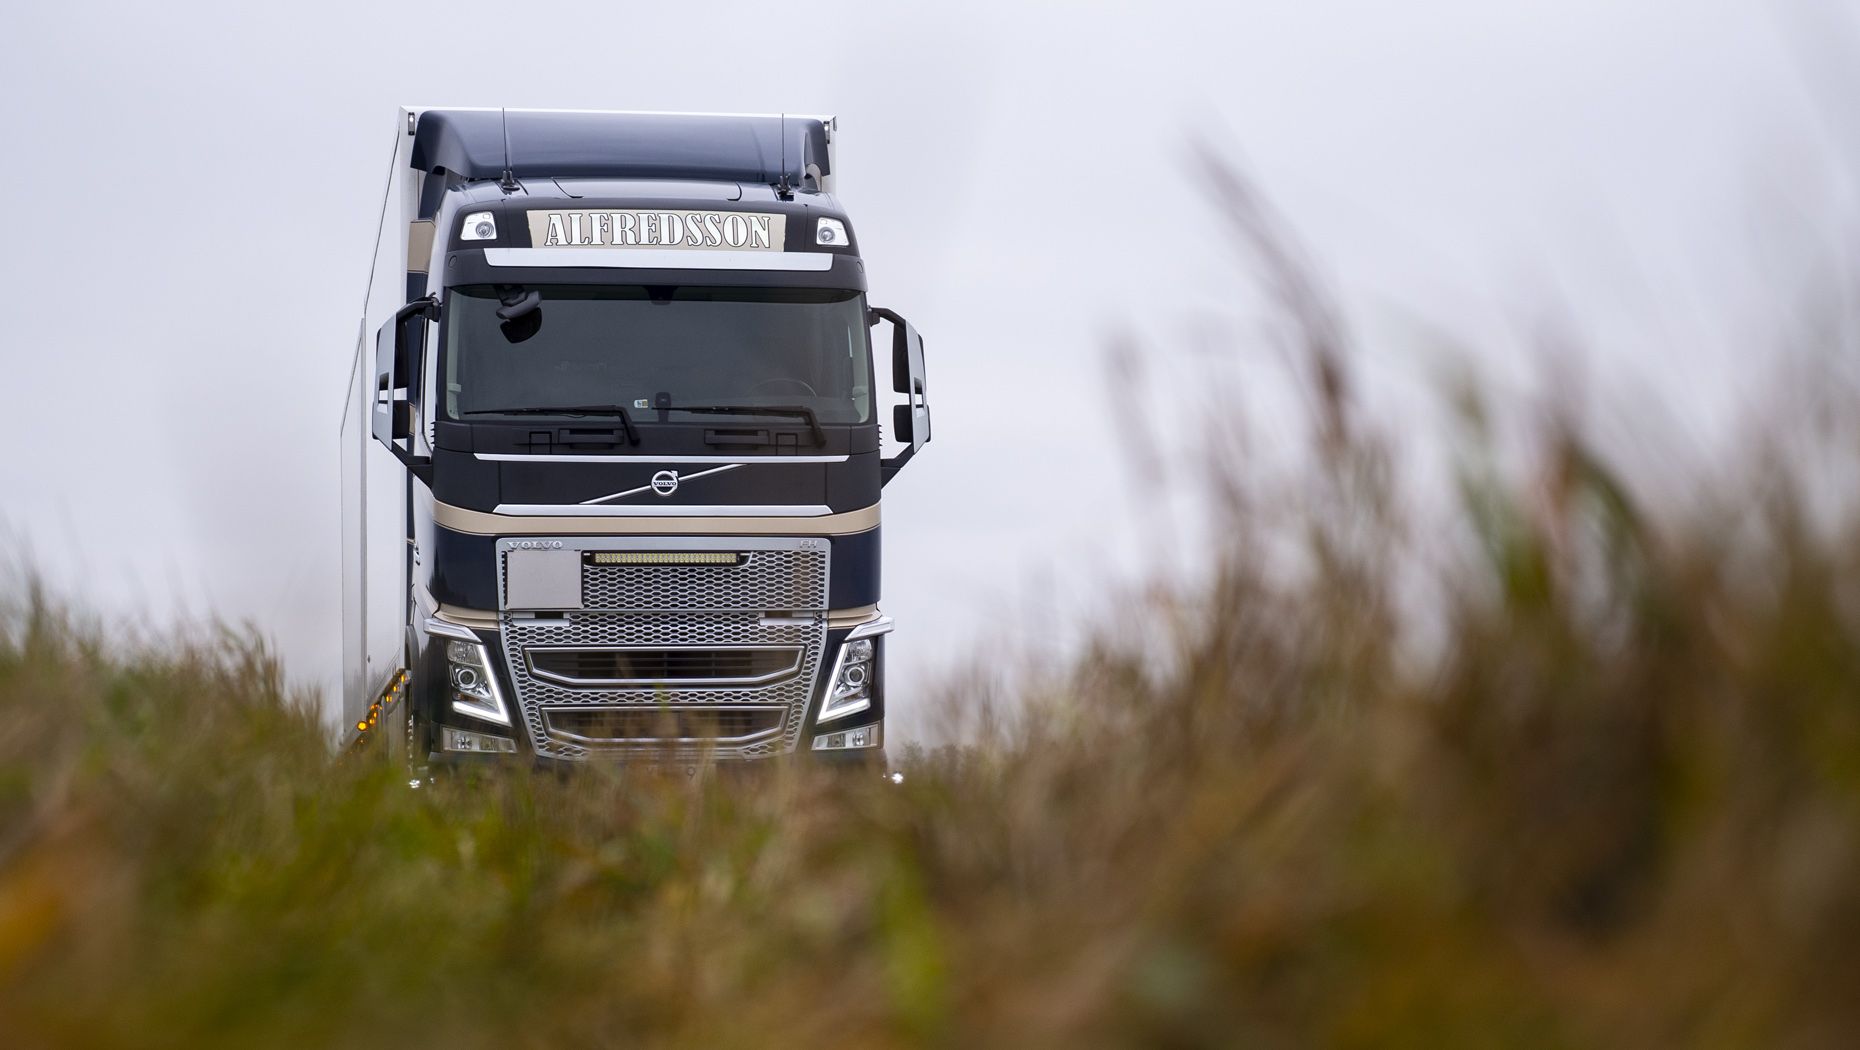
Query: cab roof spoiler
x: 528, y: 143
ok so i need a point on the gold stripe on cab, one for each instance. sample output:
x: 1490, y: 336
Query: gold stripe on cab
x: 838, y: 618
x: 484, y: 621
x: 481, y: 523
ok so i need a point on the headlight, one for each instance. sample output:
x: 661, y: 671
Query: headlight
x: 850, y: 689
x: 474, y: 687
x: 479, y: 226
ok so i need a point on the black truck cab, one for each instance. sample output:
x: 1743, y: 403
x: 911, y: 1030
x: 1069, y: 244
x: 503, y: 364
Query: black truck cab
x: 632, y: 387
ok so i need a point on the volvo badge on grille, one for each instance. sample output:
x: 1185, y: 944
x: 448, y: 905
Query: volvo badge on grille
x: 665, y: 482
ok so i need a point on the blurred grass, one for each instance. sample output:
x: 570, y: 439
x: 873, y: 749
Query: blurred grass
x: 1612, y: 799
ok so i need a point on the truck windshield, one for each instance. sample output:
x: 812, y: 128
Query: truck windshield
x: 779, y: 348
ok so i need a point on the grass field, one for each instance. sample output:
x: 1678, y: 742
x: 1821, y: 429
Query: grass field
x: 1608, y: 796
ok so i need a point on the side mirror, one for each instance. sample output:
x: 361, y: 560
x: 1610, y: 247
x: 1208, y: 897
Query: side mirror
x: 907, y: 347
x: 388, y: 395
x: 397, y: 355
x: 910, y: 422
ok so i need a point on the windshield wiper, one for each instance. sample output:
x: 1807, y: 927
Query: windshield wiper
x: 796, y: 411
x: 617, y: 411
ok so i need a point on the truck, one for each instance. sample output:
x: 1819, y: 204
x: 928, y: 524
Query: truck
x: 611, y: 449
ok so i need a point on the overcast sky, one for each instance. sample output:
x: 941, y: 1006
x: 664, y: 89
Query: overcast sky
x: 194, y: 191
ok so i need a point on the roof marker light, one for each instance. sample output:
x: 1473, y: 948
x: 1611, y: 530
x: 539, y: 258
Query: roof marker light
x: 479, y: 226
x: 830, y: 231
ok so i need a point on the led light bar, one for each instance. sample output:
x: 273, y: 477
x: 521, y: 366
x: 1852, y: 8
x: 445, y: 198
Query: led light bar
x: 666, y: 558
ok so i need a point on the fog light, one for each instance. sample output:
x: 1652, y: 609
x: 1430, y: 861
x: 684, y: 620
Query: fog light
x: 848, y: 739
x: 830, y: 231
x: 479, y: 226
x: 477, y: 743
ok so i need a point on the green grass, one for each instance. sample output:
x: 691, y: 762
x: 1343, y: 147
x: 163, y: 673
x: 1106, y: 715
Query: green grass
x: 1617, y: 806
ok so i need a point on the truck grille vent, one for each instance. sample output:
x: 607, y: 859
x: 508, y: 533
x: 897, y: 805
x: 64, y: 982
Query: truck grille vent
x: 661, y: 724
x: 766, y: 579
x: 744, y: 665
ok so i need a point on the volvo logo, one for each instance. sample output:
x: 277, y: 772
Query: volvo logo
x: 535, y: 545
x: 664, y: 483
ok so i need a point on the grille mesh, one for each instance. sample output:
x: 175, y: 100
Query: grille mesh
x: 769, y: 579
x: 648, y: 724
x: 641, y: 629
x: 707, y: 666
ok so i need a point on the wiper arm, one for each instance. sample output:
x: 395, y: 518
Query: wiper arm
x: 797, y: 411
x: 617, y: 411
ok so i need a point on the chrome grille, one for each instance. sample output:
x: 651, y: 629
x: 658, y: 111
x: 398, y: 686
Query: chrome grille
x: 643, y: 607
x: 613, y: 629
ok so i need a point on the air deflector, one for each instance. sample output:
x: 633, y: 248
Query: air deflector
x: 470, y: 143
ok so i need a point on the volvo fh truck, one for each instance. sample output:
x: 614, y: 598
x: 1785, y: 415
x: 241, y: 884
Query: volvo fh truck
x: 612, y: 449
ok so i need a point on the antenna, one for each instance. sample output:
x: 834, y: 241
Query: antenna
x: 782, y: 191
x: 509, y: 182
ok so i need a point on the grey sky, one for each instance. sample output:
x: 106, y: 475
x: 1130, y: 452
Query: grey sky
x: 195, y: 188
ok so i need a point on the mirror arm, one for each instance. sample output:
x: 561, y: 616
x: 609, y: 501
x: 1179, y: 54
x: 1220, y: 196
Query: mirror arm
x: 419, y: 466
x: 426, y: 306
x: 888, y: 468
